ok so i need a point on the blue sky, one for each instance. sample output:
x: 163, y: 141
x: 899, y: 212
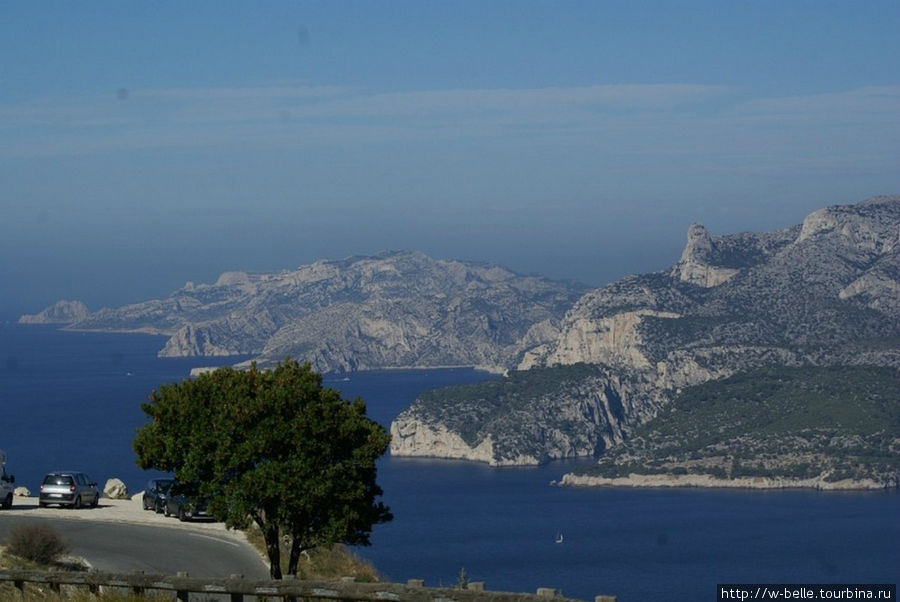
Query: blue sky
x: 144, y: 144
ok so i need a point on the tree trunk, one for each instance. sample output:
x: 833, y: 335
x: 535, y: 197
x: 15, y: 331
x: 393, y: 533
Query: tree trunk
x: 294, y: 560
x: 273, y: 549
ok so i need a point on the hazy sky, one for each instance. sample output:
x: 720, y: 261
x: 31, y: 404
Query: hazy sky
x: 144, y: 144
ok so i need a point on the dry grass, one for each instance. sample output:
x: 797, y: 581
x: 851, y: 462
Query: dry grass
x: 334, y: 563
x: 41, y: 593
x: 322, y: 563
x: 34, y: 593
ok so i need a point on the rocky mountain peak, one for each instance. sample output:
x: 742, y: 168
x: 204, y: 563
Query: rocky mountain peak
x: 813, y: 284
x: 61, y: 312
x: 699, y: 244
x: 696, y: 265
x: 870, y: 227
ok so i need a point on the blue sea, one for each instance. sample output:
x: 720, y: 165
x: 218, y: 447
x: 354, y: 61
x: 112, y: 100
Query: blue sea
x: 72, y: 400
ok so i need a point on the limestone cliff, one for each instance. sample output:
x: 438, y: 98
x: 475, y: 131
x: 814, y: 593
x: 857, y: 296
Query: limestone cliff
x: 697, y: 264
x: 806, y: 294
x: 528, y: 417
x: 397, y: 309
x: 821, y: 293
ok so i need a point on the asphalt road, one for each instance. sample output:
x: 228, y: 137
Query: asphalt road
x: 125, y: 548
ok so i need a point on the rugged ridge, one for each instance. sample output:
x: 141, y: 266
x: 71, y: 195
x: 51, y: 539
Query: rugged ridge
x: 396, y: 309
x: 529, y: 417
x: 61, y: 312
x: 821, y: 293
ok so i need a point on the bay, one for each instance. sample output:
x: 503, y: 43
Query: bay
x: 72, y: 400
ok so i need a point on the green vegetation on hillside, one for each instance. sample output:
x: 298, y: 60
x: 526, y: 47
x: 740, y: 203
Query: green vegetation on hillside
x: 835, y: 422
x: 504, y: 406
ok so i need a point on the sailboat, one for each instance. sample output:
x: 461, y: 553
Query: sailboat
x: 559, y: 538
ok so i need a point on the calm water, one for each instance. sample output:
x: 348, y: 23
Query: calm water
x: 72, y: 400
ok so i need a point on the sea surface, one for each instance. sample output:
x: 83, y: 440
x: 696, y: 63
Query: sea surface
x: 71, y: 400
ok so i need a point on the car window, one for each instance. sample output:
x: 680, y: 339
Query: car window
x: 56, y: 479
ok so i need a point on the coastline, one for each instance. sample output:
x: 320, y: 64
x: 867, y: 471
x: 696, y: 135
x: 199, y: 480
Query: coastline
x: 710, y: 482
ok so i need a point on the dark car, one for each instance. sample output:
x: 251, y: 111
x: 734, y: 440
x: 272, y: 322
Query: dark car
x: 155, y: 494
x: 184, y: 502
x: 69, y: 488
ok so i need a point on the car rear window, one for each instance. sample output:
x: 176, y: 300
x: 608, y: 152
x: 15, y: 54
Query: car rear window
x: 55, y: 479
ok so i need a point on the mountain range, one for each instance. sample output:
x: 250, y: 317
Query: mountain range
x: 394, y: 310
x: 585, y: 368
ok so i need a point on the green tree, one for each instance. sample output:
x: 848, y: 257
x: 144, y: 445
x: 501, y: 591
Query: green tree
x: 273, y: 447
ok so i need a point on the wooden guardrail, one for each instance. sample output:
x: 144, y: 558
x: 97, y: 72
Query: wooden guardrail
x: 236, y: 587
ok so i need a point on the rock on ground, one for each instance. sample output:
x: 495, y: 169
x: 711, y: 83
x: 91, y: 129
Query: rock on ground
x: 115, y: 489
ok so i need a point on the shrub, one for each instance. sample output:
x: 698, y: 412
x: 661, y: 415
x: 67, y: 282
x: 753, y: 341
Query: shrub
x: 36, y: 543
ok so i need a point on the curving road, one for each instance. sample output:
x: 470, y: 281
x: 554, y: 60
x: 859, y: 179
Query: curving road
x: 123, y: 546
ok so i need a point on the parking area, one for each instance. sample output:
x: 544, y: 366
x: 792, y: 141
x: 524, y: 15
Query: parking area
x: 122, y: 511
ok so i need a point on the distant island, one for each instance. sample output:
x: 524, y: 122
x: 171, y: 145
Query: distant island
x: 399, y: 309
x: 757, y: 359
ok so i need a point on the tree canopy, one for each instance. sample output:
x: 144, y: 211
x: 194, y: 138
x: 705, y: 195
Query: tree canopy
x: 272, y: 447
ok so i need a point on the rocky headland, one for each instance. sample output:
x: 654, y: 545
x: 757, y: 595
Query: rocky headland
x: 393, y: 310
x: 826, y: 427
x: 822, y: 293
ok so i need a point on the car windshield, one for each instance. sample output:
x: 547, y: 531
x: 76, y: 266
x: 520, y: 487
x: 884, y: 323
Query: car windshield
x: 55, y: 479
x: 163, y: 486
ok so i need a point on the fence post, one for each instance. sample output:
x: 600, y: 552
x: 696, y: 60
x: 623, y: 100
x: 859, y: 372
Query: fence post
x: 182, y: 595
x: 236, y: 597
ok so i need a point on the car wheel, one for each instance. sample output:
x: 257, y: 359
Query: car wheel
x: 7, y: 503
x: 166, y: 511
x: 159, y: 508
x: 96, y: 501
x: 181, y: 515
x: 42, y: 505
x: 77, y: 503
